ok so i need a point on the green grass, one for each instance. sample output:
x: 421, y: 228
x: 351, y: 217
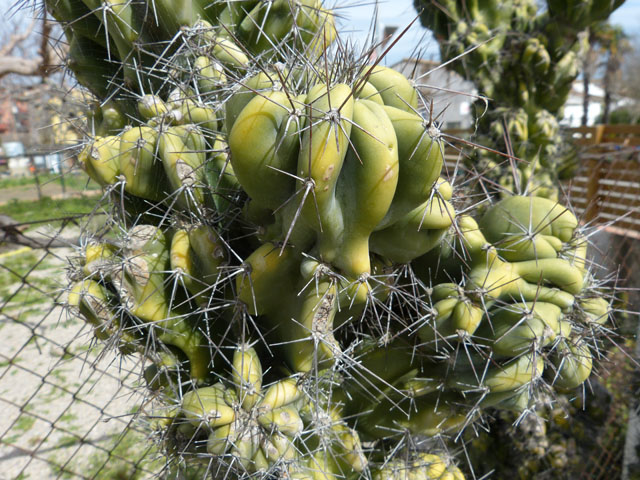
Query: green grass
x: 72, y: 181
x: 48, y: 209
x: 59, y: 375
x: 6, y: 363
x: 24, y: 314
x: 26, y: 297
x: 55, y: 393
x: 24, y: 423
x: 13, y: 268
x: 12, y: 271
x: 67, y: 417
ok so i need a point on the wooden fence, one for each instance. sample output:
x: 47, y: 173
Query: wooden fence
x: 606, y: 137
x: 606, y: 187
x: 608, y: 191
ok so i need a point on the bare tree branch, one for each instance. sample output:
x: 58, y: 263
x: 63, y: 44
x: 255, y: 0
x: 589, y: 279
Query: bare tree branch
x: 20, y: 66
x: 14, y: 40
x: 39, y: 65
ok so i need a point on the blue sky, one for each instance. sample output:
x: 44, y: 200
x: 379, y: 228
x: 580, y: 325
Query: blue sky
x: 357, y: 15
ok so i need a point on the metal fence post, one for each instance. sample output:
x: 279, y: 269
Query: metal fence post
x: 34, y: 170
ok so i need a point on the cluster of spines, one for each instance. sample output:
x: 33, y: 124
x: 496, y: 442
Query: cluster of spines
x: 230, y: 255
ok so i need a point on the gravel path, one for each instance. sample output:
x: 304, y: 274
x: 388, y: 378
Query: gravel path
x: 64, y: 405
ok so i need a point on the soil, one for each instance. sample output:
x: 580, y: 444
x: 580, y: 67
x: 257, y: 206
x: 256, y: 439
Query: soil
x: 64, y: 403
x: 30, y: 193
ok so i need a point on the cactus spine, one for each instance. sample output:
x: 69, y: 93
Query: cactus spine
x: 288, y: 260
x: 524, y: 58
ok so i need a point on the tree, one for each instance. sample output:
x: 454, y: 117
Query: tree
x: 629, y: 85
x: 31, y: 56
x: 617, y: 45
x: 25, y: 48
x: 590, y: 64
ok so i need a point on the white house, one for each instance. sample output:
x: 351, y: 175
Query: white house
x: 574, y: 108
x: 452, y: 95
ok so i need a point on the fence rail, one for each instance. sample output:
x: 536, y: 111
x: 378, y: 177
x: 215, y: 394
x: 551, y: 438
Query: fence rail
x: 606, y: 136
x: 606, y: 187
x: 608, y: 191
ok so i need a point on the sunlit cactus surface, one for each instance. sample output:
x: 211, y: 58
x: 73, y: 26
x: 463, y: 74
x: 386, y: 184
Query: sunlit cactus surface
x: 313, y: 293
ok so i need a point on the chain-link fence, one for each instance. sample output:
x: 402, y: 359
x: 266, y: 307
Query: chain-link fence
x: 68, y: 406
x: 71, y: 408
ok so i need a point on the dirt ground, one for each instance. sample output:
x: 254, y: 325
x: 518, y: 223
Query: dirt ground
x: 64, y: 404
x: 29, y: 192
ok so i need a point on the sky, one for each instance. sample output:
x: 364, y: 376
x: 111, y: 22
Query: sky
x: 357, y: 14
x: 356, y: 20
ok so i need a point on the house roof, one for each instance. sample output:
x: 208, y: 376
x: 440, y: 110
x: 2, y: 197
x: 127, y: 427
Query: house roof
x: 594, y: 90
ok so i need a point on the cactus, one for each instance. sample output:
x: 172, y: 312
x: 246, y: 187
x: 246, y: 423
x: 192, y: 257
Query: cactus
x: 308, y: 294
x: 524, y: 59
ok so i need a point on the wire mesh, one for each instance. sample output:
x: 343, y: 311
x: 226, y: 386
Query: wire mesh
x: 68, y: 406
x: 71, y: 406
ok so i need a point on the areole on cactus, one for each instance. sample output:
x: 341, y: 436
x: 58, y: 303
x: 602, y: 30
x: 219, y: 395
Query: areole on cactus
x: 306, y: 289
